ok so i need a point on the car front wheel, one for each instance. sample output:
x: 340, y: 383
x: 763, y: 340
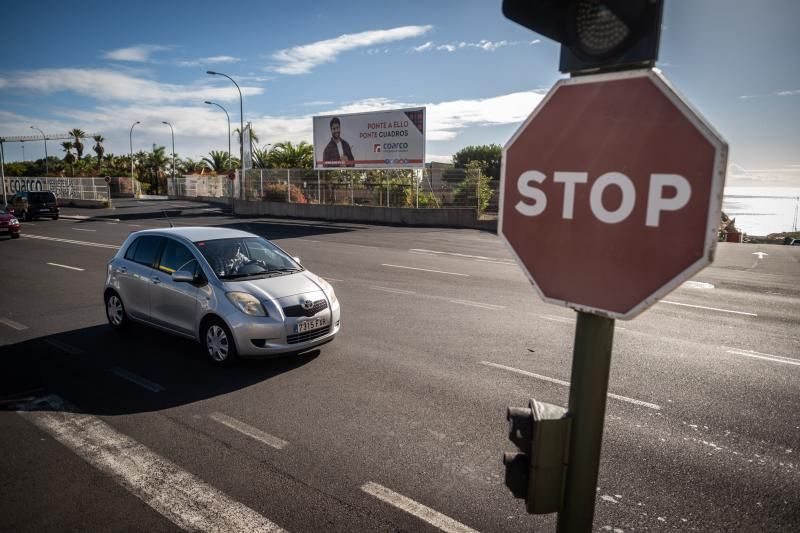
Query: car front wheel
x: 115, y: 311
x: 218, y: 343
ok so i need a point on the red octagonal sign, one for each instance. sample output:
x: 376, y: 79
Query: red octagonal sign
x: 611, y: 193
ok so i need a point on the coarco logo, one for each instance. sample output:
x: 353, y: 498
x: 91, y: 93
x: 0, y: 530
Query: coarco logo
x: 395, y: 146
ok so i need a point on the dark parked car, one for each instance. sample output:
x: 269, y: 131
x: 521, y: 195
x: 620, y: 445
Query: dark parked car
x: 28, y: 205
x: 9, y: 224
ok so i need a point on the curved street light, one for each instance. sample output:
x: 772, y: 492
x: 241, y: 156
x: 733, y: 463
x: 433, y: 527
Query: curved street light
x: 241, y: 127
x: 173, y: 149
x: 230, y: 163
x: 44, y: 138
x: 131, y: 139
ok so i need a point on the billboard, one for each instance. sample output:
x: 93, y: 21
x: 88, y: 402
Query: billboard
x: 377, y: 139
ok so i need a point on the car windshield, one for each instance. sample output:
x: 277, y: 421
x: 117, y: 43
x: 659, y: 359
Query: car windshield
x: 245, y: 257
x: 42, y: 197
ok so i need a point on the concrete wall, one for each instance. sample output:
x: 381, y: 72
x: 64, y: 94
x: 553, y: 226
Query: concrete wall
x: 453, y: 218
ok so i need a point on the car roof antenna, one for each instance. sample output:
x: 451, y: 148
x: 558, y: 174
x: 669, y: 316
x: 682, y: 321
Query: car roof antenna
x: 168, y: 220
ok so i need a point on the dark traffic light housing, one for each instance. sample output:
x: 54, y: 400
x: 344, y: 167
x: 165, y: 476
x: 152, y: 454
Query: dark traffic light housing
x: 536, y: 473
x: 595, y: 35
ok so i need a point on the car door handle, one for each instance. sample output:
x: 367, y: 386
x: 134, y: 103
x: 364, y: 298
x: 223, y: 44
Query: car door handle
x: 122, y: 270
x: 155, y: 280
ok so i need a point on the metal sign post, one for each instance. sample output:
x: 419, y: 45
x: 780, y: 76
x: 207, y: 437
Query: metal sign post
x: 591, y: 361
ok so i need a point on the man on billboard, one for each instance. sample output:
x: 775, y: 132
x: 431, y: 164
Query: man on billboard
x: 337, y: 153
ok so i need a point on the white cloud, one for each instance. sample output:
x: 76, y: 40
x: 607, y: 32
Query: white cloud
x: 106, y: 84
x: 788, y: 93
x: 201, y: 128
x: 139, y: 53
x: 302, y: 59
x: 483, y: 44
x: 208, y: 61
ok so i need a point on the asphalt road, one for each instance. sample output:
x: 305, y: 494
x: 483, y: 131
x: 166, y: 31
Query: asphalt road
x: 399, y: 424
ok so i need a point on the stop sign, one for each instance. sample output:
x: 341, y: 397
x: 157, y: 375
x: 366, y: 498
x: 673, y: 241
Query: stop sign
x: 611, y: 192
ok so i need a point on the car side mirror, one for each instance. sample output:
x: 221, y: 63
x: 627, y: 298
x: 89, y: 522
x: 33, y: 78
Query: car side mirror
x: 10, y: 210
x: 183, y: 276
x: 297, y: 260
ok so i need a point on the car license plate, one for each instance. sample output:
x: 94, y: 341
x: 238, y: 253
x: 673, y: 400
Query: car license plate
x: 308, y: 325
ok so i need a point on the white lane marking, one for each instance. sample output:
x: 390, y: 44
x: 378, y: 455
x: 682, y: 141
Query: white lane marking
x: 65, y: 266
x: 491, y: 307
x: 110, y: 222
x: 434, y: 518
x: 760, y: 254
x: 83, y: 229
x: 135, y: 225
x: 561, y: 319
x: 495, y: 262
x: 389, y: 289
x: 181, y: 497
x: 64, y: 347
x: 766, y: 357
x: 467, y: 256
x: 566, y: 384
x: 331, y: 279
x: 696, y: 285
x: 426, y: 270
x: 70, y: 241
x: 138, y: 380
x: 250, y: 431
x: 708, y: 308
x: 10, y: 323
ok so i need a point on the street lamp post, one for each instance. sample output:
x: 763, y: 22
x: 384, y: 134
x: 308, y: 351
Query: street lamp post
x: 44, y: 138
x: 133, y: 180
x: 173, y: 150
x: 230, y: 163
x: 241, y: 128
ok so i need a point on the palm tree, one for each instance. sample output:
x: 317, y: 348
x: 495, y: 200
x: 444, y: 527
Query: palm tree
x: 69, y: 157
x: 217, y: 161
x: 253, y: 135
x: 261, y: 158
x: 287, y: 155
x: 98, y: 148
x: 78, y: 145
x: 190, y: 166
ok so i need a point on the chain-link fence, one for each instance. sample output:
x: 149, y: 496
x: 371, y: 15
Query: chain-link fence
x: 64, y: 188
x: 424, y: 189
x: 197, y: 185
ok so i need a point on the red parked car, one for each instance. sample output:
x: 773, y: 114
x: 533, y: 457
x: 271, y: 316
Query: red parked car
x: 9, y: 223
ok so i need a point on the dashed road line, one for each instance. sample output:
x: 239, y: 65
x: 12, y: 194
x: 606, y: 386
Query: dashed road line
x: 138, y: 380
x: 250, y: 431
x: 71, y: 241
x: 455, y: 254
x: 12, y: 324
x: 708, y: 308
x: 64, y: 347
x: 181, y: 497
x: 766, y: 357
x: 83, y: 229
x: 394, y: 291
x: 423, y: 512
x: 65, y: 266
x: 560, y: 319
x: 426, y: 270
x: 566, y: 384
x: 491, y: 307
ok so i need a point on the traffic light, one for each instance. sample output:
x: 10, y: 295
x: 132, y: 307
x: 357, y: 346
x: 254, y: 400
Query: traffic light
x: 536, y: 473
x: 595, y: 35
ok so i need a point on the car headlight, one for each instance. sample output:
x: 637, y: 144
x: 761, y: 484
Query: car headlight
x: 247, y: 303
x: 328, y: 289
x: 13, y: 222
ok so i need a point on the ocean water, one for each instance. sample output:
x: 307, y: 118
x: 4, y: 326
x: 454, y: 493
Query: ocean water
x: 763, y: 210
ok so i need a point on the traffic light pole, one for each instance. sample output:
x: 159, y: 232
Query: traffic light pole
x: 591, y: 362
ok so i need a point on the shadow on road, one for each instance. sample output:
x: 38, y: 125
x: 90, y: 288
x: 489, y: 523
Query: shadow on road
x: 86, y: 367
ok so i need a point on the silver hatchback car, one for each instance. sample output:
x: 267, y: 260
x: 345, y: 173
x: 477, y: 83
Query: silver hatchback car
x: 236, y: 293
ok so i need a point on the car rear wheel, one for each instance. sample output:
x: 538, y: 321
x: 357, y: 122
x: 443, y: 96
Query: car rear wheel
x: 218, y: 343
x: 115, y: 311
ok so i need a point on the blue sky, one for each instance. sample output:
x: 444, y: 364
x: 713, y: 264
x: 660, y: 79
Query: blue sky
x: 100, y: 66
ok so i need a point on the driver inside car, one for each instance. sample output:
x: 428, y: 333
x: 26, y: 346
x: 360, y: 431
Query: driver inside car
x: 229, y: 261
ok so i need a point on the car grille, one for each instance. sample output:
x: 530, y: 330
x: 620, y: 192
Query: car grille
x: 297, y: 310
x: 307, y: 335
